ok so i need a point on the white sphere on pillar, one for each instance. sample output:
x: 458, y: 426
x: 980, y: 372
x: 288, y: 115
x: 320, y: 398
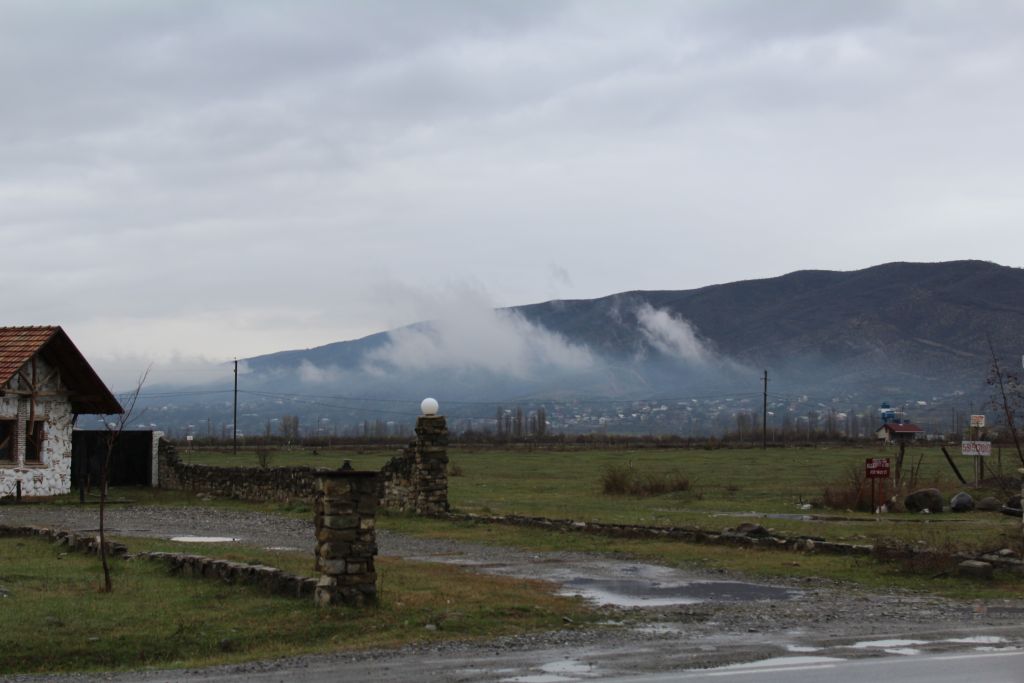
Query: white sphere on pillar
x: 429, y: 407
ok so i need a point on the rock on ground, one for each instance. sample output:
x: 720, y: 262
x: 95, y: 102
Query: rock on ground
x: 961, y: 502
x: 924, y: 499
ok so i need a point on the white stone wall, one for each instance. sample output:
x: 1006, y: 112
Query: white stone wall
x: 51, y: 476
x: 155, y: 471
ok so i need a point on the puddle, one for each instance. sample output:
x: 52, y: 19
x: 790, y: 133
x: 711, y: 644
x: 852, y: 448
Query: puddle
x: 660, y: 629
x: 641, y: 593
x: 782, y: 662
x: 907, y: 647
x: 884, y: 644
x: 977, y: 640
x: 570, y: 667
x: 802, y: 648
x: 893, y: 642
x: 204, y: 539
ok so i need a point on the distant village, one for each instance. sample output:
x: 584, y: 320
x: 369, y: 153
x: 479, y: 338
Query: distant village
x: 732, y: 418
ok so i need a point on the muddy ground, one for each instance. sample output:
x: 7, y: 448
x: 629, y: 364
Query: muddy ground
x: 656, y: 618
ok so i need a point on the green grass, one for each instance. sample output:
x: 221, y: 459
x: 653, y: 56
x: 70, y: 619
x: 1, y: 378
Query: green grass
x: 728, y: 486
x: 54, y: 618
x: 724, y: 484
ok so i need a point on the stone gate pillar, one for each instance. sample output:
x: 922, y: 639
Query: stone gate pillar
x: 345, y: 511
x: 430, y: 468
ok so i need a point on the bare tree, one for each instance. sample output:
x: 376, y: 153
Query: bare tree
x: 1008, y: 396
x: 114, y: 429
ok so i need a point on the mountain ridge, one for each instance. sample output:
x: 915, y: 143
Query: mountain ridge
x: 916, y: 327
x: 658, y: 361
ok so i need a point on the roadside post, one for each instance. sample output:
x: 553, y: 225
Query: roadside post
x: 875, y: 469
x: 977, y: 424
x: 978, y: 450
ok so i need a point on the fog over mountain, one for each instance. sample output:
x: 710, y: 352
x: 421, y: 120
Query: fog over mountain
x: 901, y: 328
x: 898, y: 331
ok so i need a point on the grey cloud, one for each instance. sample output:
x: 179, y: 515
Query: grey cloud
x: 268, y: 170
x: 478, y: 338
x: 672, y: 335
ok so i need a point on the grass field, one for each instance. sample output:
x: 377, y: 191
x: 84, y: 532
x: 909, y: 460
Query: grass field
x: 52, y: 618
x: 728, y: 486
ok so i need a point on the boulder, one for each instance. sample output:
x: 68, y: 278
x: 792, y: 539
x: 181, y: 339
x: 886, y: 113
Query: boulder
x: 924, y: 499
x: 974, y: 569
x: 961, y: 502
x: 988, y: 504
x: 1014, y: 502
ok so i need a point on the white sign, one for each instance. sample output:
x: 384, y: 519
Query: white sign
x: 977, y: 420
x: 976, y: 448
x: 188, y: 437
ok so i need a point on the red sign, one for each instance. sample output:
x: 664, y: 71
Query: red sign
x: 876, y: 468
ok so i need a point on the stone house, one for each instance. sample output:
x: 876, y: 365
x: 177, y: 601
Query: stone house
x: 45, y: 384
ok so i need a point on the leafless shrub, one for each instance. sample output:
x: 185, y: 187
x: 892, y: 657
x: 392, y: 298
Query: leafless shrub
x: 264, y: 456
x: 619, y: 480
x: 853, y: 492
x: 616, y: 480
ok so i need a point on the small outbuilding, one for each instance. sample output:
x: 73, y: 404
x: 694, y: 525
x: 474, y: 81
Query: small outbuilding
x: 896, y: 432
x: 45, y: 384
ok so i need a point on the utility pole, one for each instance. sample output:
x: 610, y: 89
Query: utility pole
x: 234, y: 424
x: 764, y: 415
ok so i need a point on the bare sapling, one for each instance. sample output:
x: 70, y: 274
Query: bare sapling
x: 114, y: 426
x: 1008, y: 396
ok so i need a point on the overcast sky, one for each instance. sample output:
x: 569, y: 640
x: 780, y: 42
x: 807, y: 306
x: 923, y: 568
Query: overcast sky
x: 186, y: 180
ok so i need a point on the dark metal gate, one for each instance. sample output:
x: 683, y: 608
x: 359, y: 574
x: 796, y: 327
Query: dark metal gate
x: 131, y: 460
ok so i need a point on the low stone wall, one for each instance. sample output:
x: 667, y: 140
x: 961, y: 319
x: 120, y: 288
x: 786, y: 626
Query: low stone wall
x: 269, y: 579
x: 278, y: 484
x: 737, y: 537
x: 417, y: 480
x: 745, y: 535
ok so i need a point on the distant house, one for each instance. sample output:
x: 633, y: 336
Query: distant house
x: 45, y: 383
x: 895, y: 432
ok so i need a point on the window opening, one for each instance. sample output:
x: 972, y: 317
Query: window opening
x: 7, y: 438
x: 35, y: 435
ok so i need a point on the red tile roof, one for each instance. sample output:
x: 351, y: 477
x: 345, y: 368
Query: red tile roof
x: 88, y: 393
x: 18, y: 345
